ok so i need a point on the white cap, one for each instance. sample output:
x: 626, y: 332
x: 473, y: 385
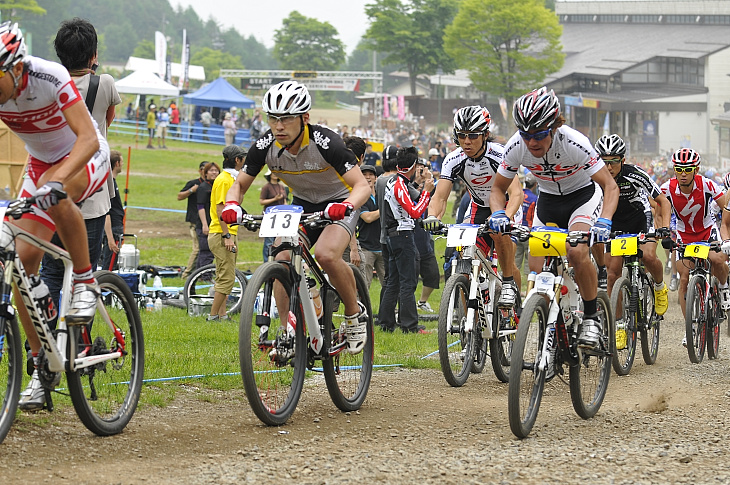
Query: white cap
x: 433, y: 152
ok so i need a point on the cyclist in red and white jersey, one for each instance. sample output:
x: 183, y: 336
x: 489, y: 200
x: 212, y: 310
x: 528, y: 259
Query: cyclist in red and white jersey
x: 691, y: 196
x: 576, y: 190
x: 475, y: 162
x: 68, y: 156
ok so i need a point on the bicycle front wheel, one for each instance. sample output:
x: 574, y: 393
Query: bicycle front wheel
x: 273, y: 362
x: 526, y: 380
x: 589, y: 378
x: 713, y: 321
x: 505, y: 320
x: 200, y: 283
x: 11, y: 369
x: 694, y: 319
x: 623, y: 345
x: 650, y: 331
x: 105, y: 395
x: 347, y: 375
x: 456, y: 350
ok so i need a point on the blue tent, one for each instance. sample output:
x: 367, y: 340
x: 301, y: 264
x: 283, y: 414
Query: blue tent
x: 219, y: 94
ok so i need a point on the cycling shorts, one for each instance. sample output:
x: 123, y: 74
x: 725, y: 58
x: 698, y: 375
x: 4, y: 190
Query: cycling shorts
x: 349, y: 223
x: 582, y: 206
x: 708, y: 235
x: 97, y: 171
x: 636, y: 225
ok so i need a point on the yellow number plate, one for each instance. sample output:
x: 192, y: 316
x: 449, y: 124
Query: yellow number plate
x: 698, y: 250
x: 624, y: 246
x: 547, y: 242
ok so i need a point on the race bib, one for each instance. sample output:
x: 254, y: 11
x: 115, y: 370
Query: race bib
x: 461, y: 235
x: 281, y: 221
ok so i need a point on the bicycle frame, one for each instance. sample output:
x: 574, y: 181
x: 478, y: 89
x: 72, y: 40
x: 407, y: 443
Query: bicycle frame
x: 479, y: 260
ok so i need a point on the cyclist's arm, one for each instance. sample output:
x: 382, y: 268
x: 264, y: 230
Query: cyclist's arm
x: 370, y: 216
x: 497, y: 199
x: 87, y: 143
x: 725, y: 225
x: 610, y: 192
x: 240, y: 187
x: 437, y: 206
x: 662, y: 210
x: 516, y: 196
x: 360, y: 188
x: 110, y: 114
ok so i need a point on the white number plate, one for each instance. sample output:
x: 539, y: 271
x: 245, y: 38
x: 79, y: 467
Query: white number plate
x: 462, y: 235
x: 281, y: 221
x: 544, y: 282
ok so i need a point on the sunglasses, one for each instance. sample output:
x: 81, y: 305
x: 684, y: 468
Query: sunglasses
x: 540, y: 135
x: 684, y: 169
x: 472, y: 136
x: 285, y: 120
x: 613, y: 161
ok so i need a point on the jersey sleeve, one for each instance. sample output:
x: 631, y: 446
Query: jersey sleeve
x: 713, y: 189
x: 579, y: 149
x: 643, y: 180
x: 402, y: 195
x: 450, y: 164
x: 333, y: 149
x: 512, y: 157
x: 256, y: 157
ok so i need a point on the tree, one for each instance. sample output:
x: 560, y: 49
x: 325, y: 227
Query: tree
x: 507, y: 47
x: 144, y: 49
x: 213, y: 61
x: 305, y: 43
x: 11, y: 10
x: 411, y: 34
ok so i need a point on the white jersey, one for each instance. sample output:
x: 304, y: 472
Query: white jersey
x: 478, y: 175
x: 36, y: 115
x: 566, y: 167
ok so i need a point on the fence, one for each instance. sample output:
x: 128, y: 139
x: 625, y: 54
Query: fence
x: 184, y: 132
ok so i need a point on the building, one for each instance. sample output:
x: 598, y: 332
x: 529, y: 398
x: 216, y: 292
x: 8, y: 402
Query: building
x: 657, y: 72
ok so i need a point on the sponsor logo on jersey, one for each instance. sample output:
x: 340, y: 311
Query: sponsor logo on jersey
x: 321, y: 140
x: 265, y: 142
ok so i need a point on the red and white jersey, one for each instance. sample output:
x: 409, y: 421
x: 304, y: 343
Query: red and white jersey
x: 695, y: 219
x: 36, y: 115
x: 568, y: 165
x: 400, y: 210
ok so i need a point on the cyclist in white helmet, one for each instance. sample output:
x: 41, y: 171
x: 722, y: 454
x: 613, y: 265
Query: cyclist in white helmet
x: 322, y: 174
x: 576, y: 190
x: 475, y: 162
x: 68, y: 161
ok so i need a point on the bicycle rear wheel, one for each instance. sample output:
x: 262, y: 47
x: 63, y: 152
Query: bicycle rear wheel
x: 623, y: 345
x: 105, y: 395
x: 694, y: 320
x: 713, y: 321
x: 347, y: 375
x: 501, y: 347
x: 589, y: 379
x: 526, y: 381
x: 11, y: 369
x: 650, y: 331
x: 456, y: 350
x: 273, y: 363
x: 199, y: 285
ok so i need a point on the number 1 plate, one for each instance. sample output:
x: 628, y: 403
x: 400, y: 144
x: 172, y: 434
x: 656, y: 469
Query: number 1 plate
x: 461, y: 235
x: 281, y: 221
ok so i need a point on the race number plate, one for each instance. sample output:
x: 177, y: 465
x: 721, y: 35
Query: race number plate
x: 281, y: 221
x: 547, y: 241
x: 625, y: 246
x: 3, y: 207
x: 697, y: 250
x: 461, y: 235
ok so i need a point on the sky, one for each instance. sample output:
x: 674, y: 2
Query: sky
x: 261, y: 18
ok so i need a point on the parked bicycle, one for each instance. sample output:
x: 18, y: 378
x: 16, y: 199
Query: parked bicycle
x: 280, y: 308
x: 632, y: 301
x: 103, y: 360
x: 547, y: 336
x: 199, y: 285
x: 470, y: 321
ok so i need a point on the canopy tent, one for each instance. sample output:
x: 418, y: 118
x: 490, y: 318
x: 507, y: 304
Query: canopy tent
x: 145, y: 82
x: 219, y: 94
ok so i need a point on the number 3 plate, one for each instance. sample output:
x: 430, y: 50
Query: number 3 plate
x: 281, y: 221
x: 461, y: 235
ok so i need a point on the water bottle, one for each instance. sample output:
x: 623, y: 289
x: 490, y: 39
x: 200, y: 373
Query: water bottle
x: 157, y: 284
x: 42, y: 296
x: 158, y: 304
x: 150, y: 305
x: 315, y: 296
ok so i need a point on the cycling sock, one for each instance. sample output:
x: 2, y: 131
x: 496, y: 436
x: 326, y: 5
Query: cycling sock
x: 659, y: 286
x: 86, y: 275
x: 589, y: 307
x: 508, y: 279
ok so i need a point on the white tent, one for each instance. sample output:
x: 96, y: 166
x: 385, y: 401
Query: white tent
x: 195, y: 73
x: 145, y: 82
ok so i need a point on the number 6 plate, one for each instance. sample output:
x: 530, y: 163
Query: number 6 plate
x: 461, y: 235
x: 697, y: 250
x: 281, y: 221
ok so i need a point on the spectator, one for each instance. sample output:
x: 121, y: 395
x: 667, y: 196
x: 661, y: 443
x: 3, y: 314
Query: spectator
x: 130, y: 112
x: 389, y: 170
x: 368, y: 232
x: 191, y: 216
x: 258, y: 127
x: 229, y: 129
x: 205, y: 119
x: 273, y: 193
x: 353, y: 253
x: 163, y: 119
x: 174, y: 119
x: 114, y: 223
x: 435, y: 160
x: 151, y: 124
x: 371, y: 158
x: 202, y: 228
x: 428, y: 267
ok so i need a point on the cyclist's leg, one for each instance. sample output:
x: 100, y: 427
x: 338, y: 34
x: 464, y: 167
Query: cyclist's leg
x: 652, y: 262
x: 683, y: 268
x: 328, y: 253
x: 614, y: 266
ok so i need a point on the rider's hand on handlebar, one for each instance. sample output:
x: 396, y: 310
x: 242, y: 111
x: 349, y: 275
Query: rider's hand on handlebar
x: 337, y: 211
x: 725, y: 246
x: 499, y: 221
x: 663, y: 232
x: 49, y: 194
x: 431, y: 223
x: 601, y: 231
x: 232, y: 213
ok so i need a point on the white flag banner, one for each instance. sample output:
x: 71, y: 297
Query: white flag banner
x: 183, y: 61
x: 161, y: 53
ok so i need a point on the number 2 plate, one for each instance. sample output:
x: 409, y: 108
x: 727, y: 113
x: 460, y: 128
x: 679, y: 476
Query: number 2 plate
x: 461, y: 235
x: 281, y: 221
x: 624, y: 246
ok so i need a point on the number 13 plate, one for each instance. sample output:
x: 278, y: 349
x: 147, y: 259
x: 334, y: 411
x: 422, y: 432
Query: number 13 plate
x: 281, y: 221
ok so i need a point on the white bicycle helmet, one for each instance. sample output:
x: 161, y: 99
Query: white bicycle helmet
x: 287, y: 98
x: 536, y: 109
x: 610, y: 146
x: 686, y: 158
x: 12, y: 45
x: 474, y: 119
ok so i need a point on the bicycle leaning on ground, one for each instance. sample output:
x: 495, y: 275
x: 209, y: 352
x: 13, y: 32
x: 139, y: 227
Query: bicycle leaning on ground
x: 103, y: 360
x: 632, y: 301
x: 200, y: 285
x: 703, y: 313
x: 547, y: 336
x: 469, y: 318
x: 280, y: 308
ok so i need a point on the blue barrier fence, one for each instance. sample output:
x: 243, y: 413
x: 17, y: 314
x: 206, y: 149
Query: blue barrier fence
x: 183, y: 132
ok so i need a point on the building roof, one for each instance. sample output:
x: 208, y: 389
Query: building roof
x: 605, y: 49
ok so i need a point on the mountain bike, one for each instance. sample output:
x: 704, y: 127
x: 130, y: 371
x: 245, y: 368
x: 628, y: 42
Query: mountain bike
x: 469, y: 318
x: 199, y: 285
x: 547, y: 336
x: 283, y: 334
x: 703, y: 314
x: 103, y: 360
x: 632, y: 301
